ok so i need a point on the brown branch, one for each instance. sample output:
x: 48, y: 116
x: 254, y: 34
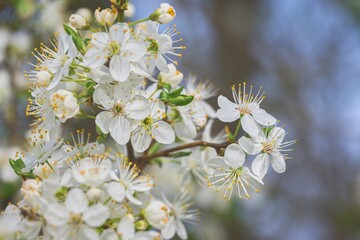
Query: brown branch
x: 121, y: 8
x: 130, y: 152
x: 143, y: 160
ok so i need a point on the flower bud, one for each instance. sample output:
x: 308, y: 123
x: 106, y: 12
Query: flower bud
x: 86, y: 13
x: 164, y: 14
x: 79, y: 22
x: 43, y: 78
x: 130, y: 11
x: 157, y: 214
x: 94, y: 194
x: 106, y: 16
x: 64, y: 104
x: 173, y: 77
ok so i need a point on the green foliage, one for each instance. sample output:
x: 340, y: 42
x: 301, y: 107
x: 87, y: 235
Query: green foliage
x: 18, y: 165
x: 79, y: 43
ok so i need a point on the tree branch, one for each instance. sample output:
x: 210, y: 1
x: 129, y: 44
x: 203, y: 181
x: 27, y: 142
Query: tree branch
x: 130, y: 152
x: 143, y: 160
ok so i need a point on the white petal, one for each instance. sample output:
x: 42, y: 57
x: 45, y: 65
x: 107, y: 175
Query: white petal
x: 76, y: 201
x: 181, y: 230
x: 161, y: 64
x: 169, y: 231
x: 116, y: 191
x: 163, y: 132
x: 96, y: 215
x: 234, y: 156
x: 100, y: 39
x: 119, y: 68
x: 140, y: 139
x: 250, y: 146
x: 126, y: 228
x: 132, y: 199
x: 185, y: 129
x: 120, y: 32
x: 88, y: 234
x: 105, y: 100
x: 95, y: 57
x: 262, y: 117
x: 109, y: 234
x: 278, y: 163
x: 138, y: 109
x: 249, y: 125
x: 224, y: 102
x: 120, y: 130
x: 133, y: 51
x: 56, y: 215
x: 227, y: 114
x: 103, y: 121
x: 260, y: 165
x: 278, y: 134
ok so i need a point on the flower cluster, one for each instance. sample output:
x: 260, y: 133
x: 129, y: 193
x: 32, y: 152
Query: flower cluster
x: 127, y: 83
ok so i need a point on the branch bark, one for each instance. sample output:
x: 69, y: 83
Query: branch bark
x: 143, y: 160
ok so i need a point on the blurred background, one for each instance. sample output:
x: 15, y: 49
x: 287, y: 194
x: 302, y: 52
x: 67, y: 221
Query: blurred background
x: 306, y: 55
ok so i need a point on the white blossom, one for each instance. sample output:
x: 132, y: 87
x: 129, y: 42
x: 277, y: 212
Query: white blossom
x: 157, y: 214
x: 269, y: 148
x: 64, y: 104
x: 246, y: 107
x: 230, y: 174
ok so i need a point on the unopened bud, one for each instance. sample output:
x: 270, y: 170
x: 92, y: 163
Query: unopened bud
x: 173, y: 77
x: 94, y: 194
x: 164, y: 14
x: 106, y: 16
x: 43, y: 78
x: 79, y: 22
x: 130, y: 11
x: 141, y: 225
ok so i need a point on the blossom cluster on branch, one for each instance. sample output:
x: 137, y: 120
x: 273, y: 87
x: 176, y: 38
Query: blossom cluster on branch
x: 131, y: 90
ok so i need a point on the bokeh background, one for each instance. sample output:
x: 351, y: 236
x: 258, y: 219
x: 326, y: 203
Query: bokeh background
x: 306, y: 55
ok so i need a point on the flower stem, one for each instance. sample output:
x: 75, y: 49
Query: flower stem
x: 236, y: 130
x: 139, y: 21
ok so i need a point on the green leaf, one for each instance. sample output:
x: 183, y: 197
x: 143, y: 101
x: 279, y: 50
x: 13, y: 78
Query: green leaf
x: 181, y: 100
x: 157, y: 161
x: 86, y: 41
x: 167, y: 86
x: 180, y: 154
x: 76, y: 38
x: 164, y: 96
x: 18, y: 165
x: 267, y: 130
x: 101, y: 136
x: 176, y: 92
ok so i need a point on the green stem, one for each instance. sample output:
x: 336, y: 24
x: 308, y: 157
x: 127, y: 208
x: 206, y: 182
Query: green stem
x: 74, y: 65
x: 139, y: 21
x: 121, y: 9
x: 237, y: 130
x: 152, y: 94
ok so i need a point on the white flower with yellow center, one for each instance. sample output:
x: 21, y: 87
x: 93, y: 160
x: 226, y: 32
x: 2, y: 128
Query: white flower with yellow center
x: 58, y: 62
x: 120, y: 108
x: 75, y: 219
x: 159, y: 45
x: 230, y: 174
x: 180, y: 213
x: 270, y: 149
x: 246, y: 107
x: 152, y: 127
x: 64, y: 104
x: 82, y: 147
x: 91, y: 172
x: 119, y: 48
x: 164, y: 14
x: 126, y: 182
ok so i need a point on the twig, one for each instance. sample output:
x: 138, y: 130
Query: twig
x: 143, y: 160
x: 130, y: 152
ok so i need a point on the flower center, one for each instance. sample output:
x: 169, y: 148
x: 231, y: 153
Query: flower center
x: 75, y: 219
x: 244, y: 110
x: 268, y: 147
x: 114, y: 48
x: 153, y: 45
x: 118, y: 108
x: 171, y: 11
